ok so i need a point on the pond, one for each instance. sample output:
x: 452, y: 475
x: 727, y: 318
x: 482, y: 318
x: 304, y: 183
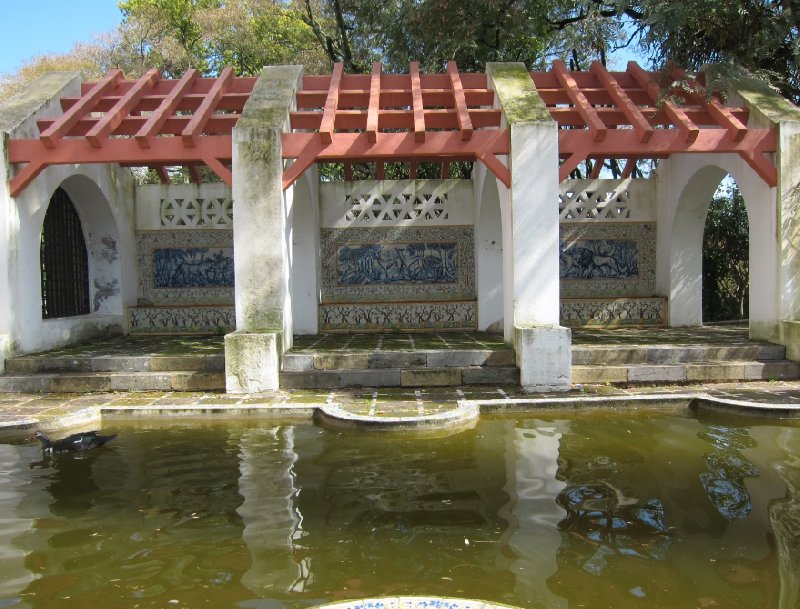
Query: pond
x: 559, y: 509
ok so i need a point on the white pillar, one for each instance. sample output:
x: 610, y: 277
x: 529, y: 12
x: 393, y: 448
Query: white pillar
x: 488, y: 251
x: 530, y: 236
x: 305, y: 263
x: 261, y: 251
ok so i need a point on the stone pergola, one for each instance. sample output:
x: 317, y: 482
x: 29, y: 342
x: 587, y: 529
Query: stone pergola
x: 526, y: 132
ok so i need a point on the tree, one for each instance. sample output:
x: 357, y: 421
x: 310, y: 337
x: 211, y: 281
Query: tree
x: 174, y: 35
x: 726, y: 257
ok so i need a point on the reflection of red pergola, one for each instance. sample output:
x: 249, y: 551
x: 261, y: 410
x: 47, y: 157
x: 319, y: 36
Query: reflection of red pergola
x: 380, y: 118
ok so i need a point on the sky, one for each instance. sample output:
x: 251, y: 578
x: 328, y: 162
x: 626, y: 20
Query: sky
x: 37, y: 27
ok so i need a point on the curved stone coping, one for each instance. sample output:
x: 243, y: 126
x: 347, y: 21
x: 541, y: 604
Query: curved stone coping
x: 415, y: 602
x: 691, y: 400
x: 461, y: 414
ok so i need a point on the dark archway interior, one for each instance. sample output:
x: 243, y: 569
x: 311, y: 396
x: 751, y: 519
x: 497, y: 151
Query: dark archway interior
x: 64, y: 261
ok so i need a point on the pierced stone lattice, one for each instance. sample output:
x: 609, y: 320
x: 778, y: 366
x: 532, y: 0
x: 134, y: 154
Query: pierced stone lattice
x: 216, y: 212
x: 376, y: 209
x: 592, y: 203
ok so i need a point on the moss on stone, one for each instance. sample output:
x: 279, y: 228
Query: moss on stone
x: 14, y: 111
x: 519, y: 99
x: 755, y: 92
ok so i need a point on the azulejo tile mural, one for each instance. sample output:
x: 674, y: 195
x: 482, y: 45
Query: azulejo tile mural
x: 398, y: 264
x: 193, y: 267
x: 605, y: 259
x: 614, y: 312
x: 410, y: 316
x: 599, y: 259
x: 390, y: 263
x: 185, y: 267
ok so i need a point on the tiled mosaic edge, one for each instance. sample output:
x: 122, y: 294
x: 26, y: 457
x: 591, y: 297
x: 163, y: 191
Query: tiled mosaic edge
x: 188, y: 319
x: 580, y: 312
x: 405, y: 316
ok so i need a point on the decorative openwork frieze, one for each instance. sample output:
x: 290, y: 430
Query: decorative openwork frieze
x: 184, y: 207
x: 389, y: 203
x: 375, y: 209
x: 217, y: 212
x: 606, y: 200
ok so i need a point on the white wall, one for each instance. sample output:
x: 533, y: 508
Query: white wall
x: 103, y: 198
x: 686, y: 184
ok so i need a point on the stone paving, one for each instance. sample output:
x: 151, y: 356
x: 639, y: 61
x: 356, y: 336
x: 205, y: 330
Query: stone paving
x: 24, y: 412
x: 21, y: 413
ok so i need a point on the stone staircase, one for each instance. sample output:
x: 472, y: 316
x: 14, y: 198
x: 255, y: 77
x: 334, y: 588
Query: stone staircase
x: 79, y: 372
x: 641, y: 364
x: 419, y: 368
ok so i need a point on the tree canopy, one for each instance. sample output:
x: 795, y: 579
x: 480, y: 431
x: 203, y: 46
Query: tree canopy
x: 173, y: 35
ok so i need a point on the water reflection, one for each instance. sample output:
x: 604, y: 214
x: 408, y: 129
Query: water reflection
x: 727, y: 470
x: 554, y: 512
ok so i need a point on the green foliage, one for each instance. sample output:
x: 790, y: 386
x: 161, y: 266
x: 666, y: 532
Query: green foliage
x: 725, y: 258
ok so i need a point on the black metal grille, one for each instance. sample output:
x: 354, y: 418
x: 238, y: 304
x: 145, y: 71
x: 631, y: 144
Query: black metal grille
x: 65, y: 268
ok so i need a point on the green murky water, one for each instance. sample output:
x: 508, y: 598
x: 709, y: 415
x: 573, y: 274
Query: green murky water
x: 561, y: 510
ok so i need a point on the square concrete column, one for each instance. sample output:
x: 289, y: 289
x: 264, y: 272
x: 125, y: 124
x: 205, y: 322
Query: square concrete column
x: 767, y: 107
x: 531, y: 233
x: 263, y: 323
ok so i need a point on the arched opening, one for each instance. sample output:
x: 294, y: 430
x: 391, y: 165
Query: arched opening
x: 63, y: 260
x: 726, y: 276
x: 489, y: 257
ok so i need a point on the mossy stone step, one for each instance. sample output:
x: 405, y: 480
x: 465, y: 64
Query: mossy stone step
x: 612, y: 355
x: 400, y: 377
x: 686, y: 372
x: 87, y: 382
x: 299, y: 361
x: 31, y: 364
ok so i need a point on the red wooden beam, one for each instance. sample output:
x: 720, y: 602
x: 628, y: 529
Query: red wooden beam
x: 720, y: 113
x: 194, y: 174
x: 113, y: 117
x: 630, y: 165
x: 163, y: 174
x: 416, y: 98
x: 164, y: 111
x: 629, y: 109
x: 374, y: 102
x: 676, y: 114
x: 86, y: 104
x: 203, y: 113
x: 331, y: 105
x: 460, y: 102
x: 593, y: 120
x: 597, y: 168
x: 170, y: 151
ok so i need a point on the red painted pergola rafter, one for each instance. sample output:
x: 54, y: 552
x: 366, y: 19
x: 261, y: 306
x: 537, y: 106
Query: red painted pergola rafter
x: 166, y: 109
x: 383, y: 118
x: 60, y: 127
